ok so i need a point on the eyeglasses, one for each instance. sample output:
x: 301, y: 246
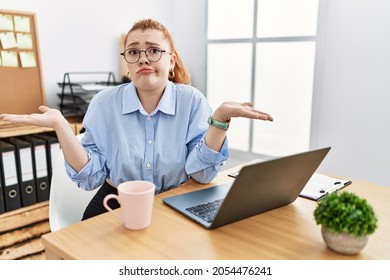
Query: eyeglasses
x: 153, y: 54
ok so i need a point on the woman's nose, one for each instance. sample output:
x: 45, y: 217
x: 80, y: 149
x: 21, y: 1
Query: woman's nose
x: 143, y: 59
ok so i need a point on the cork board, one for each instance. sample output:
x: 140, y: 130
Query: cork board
x: 21, y: 85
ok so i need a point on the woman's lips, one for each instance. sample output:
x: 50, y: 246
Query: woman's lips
x: 145, y: 70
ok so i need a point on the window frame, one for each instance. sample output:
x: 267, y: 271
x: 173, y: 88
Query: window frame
x: 254, y: 40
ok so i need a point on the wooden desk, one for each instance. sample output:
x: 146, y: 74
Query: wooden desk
x: 289, y: 232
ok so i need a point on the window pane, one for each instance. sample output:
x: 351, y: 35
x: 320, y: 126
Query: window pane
x: 229, y: 73
x: 283, y: 18
x: 229, y: 19
x: 284, y: 85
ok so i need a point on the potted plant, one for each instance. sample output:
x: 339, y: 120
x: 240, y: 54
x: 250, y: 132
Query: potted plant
x: 346, y: 220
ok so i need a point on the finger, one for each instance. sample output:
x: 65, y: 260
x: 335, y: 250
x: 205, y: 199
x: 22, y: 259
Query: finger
x: 250, y: 104
x: 259, y: 112
x: 266, y: 117
x: 43, y: 108
x: 16, y: 118
x: 262, y: 115
x: 5, y: 117
x: 253, y: 114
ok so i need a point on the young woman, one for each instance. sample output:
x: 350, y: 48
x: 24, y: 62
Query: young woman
x: 156, y: 128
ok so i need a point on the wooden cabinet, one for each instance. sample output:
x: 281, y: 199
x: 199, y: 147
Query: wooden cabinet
x: 21, y: 229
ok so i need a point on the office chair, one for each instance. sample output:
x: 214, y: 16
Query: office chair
x: 67, y: 202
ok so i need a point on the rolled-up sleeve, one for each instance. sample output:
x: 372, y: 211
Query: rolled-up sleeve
x: 92, y: 175
x: 203, y: 163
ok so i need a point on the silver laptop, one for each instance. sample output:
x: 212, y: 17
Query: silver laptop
x: 257, y: 188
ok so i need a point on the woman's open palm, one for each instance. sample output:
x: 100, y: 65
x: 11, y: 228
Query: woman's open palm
x: 48, y: 118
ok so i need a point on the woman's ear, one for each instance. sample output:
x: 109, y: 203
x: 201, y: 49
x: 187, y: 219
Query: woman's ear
x: 173, y: 60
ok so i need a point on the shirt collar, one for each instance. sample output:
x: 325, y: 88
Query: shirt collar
x: 131, y: 102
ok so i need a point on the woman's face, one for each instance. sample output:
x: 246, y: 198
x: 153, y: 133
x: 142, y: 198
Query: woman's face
x: 147, y: 75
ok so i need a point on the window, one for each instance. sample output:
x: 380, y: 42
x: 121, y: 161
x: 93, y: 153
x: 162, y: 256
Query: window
x: 264, y: 51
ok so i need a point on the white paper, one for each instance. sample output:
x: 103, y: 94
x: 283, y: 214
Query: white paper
x: 22, y: 24
x: 6, y: 22
x: 9, y: 59
x: 8, y: 40
x: 24, y: 41
x: 320, y: 185
x: 9, y: 166
x: 26, y: 164
x: 94, y: 87
x: 54, y: 150
x: 40, y: 161
x: 27, y: 59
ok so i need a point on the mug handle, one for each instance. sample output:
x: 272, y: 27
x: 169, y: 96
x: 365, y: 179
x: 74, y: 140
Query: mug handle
x: 106, y: 199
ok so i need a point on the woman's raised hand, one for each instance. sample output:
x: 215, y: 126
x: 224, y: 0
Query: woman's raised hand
x: 231, y: 109
x: 49, y: 117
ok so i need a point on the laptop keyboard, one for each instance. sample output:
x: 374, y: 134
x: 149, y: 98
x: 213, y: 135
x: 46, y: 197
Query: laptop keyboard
x: 207, y: 210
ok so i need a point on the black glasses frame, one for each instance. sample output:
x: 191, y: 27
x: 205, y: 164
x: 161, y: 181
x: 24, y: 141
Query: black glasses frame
x: 143, y: 51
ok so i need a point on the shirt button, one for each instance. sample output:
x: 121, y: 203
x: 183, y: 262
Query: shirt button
x: 150, y: 142
x: 148, y: 165
x: 149, y: 118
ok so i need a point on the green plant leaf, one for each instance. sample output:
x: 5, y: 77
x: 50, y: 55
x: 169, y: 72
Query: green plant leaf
x: 346, y: 212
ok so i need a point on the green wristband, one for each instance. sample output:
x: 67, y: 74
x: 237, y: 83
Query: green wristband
x: 221, y: 125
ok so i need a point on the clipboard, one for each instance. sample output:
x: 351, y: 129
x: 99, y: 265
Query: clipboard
x: 321, y: 185
x: 318, y: 186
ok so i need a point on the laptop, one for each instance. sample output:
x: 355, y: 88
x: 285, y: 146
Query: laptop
x: 258, y: 188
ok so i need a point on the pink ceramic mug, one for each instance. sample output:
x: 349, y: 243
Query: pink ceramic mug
x: 136, y: 200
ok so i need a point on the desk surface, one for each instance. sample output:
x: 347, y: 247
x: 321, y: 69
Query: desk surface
x: 289, y: 232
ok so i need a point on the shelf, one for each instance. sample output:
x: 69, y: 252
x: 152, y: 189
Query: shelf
x: 82, y: 97
x: 21, y: 229
x: 11, y: 129
x: 78, y: 89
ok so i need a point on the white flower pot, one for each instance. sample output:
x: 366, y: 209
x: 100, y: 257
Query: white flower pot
x: 344, y: 243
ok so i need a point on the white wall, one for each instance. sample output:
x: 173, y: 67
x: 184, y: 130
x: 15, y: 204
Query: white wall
x: 84, y: 35
x: 189, y: 29
x: 352, y: 88
x: 352, y: 97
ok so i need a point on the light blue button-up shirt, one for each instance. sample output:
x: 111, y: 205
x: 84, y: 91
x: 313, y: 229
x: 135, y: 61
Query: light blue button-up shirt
x: 165, y: 147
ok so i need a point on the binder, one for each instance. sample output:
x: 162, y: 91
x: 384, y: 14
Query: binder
x: 52, y: 149
x: 24, y: 166
x: 2, y: 203
x: 39, y: 167
x: 9, y: 177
